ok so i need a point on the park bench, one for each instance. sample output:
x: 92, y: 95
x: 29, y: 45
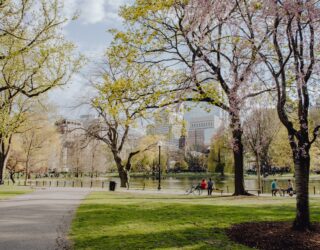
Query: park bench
x: 284, y: 191
x: 217, y: 190
x: 196, y: 189
x: 254, y: 190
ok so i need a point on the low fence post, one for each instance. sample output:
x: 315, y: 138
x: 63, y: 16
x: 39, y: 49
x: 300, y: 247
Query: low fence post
x: 227, y: 189
x: 314, y: 190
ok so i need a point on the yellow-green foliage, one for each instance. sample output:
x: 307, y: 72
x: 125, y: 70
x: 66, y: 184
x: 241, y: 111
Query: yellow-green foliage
x: 315, y: 149
x: 220, y: 145
x: 280, y: 151
x: 145, y: 161
x: 143, y: 8
x: 150, y: 24
x: 315, y: 155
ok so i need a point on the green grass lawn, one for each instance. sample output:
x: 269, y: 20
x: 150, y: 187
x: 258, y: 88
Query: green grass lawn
x: 10, y: 191
x: 133, y: 221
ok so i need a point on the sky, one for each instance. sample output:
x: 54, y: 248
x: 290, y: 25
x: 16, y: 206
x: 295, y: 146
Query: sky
x: 89, y: 32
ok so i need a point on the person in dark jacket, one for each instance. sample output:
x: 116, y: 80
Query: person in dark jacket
x: 210, y: 186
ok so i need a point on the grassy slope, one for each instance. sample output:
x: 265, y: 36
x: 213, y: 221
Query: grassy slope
x: 132, y: 221
x: 10, y: 191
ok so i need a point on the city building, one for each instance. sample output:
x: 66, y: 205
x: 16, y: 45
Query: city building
x: 79, y: 154
x: 195, y: 139
x: 69, y: 130
x: 201, y: 126
x: 168, y: 124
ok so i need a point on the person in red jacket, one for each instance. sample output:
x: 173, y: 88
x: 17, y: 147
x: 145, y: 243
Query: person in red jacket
x: 203, y: 184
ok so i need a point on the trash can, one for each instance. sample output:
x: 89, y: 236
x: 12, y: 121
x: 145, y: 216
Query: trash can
x: 112, y: 186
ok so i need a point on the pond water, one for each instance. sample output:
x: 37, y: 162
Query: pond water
x: 225, y: 183
x: 178, y: 182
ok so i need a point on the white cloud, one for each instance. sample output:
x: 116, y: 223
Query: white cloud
x: 116, y: 4
x: 69, y: 7
x: 93, y: 11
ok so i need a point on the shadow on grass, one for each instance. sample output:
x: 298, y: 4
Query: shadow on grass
x: 127, y: 221
x: 195, y: 238
x: 114, y: 226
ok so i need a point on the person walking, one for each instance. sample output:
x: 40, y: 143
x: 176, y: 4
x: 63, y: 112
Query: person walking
x: 210, y: 186
x: 274, y: 187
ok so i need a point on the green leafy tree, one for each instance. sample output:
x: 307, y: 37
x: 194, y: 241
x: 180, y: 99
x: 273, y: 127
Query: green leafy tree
x: 220, y: 157
x: 280, y: 149
x: 34, y: 58
x: 260, y: 129
x: 120, y: 103
x: 212, y: 43
x: 292, y: 60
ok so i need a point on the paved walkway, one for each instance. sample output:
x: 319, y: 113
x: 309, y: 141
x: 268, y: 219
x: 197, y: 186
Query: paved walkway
x: 38, y: 221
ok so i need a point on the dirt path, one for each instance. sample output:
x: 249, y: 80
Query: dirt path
x: 38, y: 221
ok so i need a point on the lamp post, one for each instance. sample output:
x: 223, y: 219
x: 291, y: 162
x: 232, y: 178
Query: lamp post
x: 159, y: 184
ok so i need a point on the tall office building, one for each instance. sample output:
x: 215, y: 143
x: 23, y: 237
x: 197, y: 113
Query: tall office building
x: 201, y: 126
x: 168, y: 124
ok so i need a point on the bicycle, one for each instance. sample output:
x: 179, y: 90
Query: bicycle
x: 194, y: 189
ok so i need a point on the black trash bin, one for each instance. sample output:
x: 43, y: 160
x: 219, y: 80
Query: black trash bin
x: 112, y: 186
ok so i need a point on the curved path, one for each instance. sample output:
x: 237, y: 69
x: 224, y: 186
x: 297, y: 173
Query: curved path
x: 40, y: 220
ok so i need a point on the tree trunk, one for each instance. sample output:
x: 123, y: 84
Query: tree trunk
x: 26, y: 173
x: 237, y: 155
x: 12, y: 177
x: 124, y: 177
x: 302, y: 167
x: 238, y: 166
x: 3, y: 163
x: 258, y: 168
x: 2, y: 167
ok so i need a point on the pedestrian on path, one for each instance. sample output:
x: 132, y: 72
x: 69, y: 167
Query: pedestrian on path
x: 210, y: 186
x: 274, y: 188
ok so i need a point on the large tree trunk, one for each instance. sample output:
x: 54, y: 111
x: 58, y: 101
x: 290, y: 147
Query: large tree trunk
x: 238, y: 164
x: 237, y: 148
x: 302, y: 167
x: 124, y: 178
x: 123, y: 174
x: 3, y: 163
x: 2, y: 167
